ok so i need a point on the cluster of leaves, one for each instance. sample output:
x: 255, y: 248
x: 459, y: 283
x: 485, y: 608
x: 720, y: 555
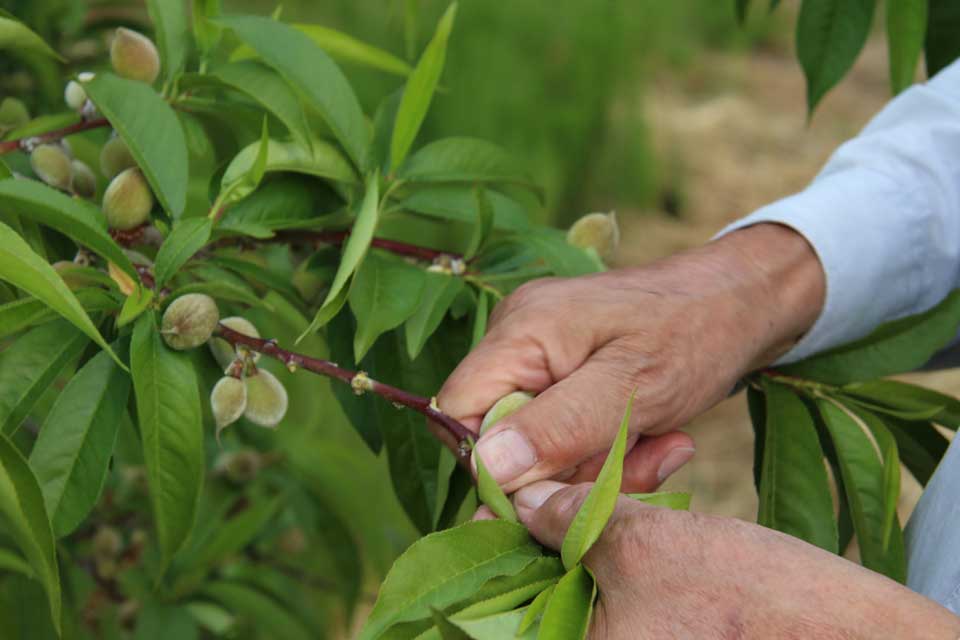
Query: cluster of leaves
x: 831, y: 34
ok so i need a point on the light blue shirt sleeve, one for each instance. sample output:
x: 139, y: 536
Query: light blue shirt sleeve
x: 883, y: 216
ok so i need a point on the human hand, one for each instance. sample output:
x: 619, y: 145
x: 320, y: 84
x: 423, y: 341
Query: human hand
x: 680, y: 332
x: 676, y: 574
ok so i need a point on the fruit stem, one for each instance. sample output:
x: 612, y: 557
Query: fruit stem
x: 22, y: 144
x: 425, y: 406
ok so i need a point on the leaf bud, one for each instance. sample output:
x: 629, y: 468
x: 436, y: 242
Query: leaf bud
x: 504, y: 407
x: 84, y: 182
x: 74, y: 95
x: 240, y: 467
x: 189, y: 321
x: 52, y: 165
x: 223, y: 351
x: 266, y: 399
x: 127, y: 202
x: 115, y: 156
x: 228, y: 400
x: 13, y: 114
x: 597, y: 231
x: 134, y: 56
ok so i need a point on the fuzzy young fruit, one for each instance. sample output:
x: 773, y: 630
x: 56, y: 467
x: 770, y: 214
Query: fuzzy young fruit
x: 266, y: 399
x: 598, y: 231
x: 134, y: 56
x: 13, y: 113
x: 52, y: 165
x: 228, y: 400
x: 74, y: 95
x: 127, y: 202
x: 503, y: 407
x: 222, y: 350
x: 189, y: 321
x: 115, y: 156
x: 84, y: 182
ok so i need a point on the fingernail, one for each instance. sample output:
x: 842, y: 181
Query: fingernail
x: 534, y: 495
x: 674, y: 460
x: 506, y: 455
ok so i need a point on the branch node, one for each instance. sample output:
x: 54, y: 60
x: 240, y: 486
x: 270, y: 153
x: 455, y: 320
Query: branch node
x: 361, y: 383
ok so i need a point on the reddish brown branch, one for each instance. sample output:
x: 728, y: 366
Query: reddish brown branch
x: 359, y: 381
x: 51, y: 136
x: 339, y: 237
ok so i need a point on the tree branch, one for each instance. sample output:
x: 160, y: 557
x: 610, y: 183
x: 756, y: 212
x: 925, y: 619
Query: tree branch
x: 26, y: 144
x: 360, y: 383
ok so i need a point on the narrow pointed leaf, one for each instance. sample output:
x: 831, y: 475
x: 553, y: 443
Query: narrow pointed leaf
x: 910, y: 398
x: 942, y: 46
x: 439, y: 293
x: 480, y: 316
x: 134, y: 305
x: 170, y: 22
x: 16, y: 36
x: 535, y: 610
x: 270, y: 617
x: 906, y: 28
x: 484, y: 224
x: 492, y: 495
x: 920, y: 446
x: 567, y: 614
x: 189, y: 235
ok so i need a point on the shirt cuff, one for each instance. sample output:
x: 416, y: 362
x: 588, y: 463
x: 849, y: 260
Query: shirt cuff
x: 872, y: 250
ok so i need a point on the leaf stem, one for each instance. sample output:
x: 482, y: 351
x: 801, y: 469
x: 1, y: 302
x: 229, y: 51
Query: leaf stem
x: 28, y: 142
x: 360, y: 383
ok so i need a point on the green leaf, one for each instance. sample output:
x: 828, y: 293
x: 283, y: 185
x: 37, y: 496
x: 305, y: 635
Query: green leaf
x: 263, y: 85
x: 458, y: 202
x: 921, y: 447
x: 596, y: 510
x: 676, y: 500
x: 270, y: 616
x: 896, y: 347
x: 508, y: 592
x: 492, y: 495
x: 419, y: 91
x: 17, y: 37
x: 742, y: 7
x: 151, y: 131
x: 75, y: 218
x: 862, y: 471
x: 794, y: 488
x: 320, y: 159
x: 353, y: 251
x: 830, y: 35
x: 10, y: 561
x: 235, y: 533
x: 21, y: 267
x: 484, y: 224
x: 308, y: 68
x: 446, y: 567
x: 283, y: 201
x: 171, y: 429
x: 567, y: 614
x: 903, y: 397
x: 170, y: 22
x: 159, y: 621
x: 560, y: 256
x: 72, y: 453
x: 134, y: 305
x: 906, y: 28
x: 480, y: 317
x: 497, y: 626
x: 439, y: 293
x: 535, y: 610
x: 221, y: 290
x: 465, y: 160
x: 21, y: 505
x: 942, y: 45
x: 446, y: 629
x: 30, y: 365
x: 757, y: 407
x: 385, y: 292
x: 189, y: 235
x: 206, y: 34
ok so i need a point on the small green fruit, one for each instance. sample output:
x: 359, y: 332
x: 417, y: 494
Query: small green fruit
x: 84, y: 182
x: 134, y: 56
x: 13, y: 114
x: 115, y: 156
x: 266, y: 399
x: 52, y: 165
x: 189, y: 321
x: 127, y: 202
x: 74, y: 95
x: 504, y: 407
x: 222, y: 350
x: 228, y: 400
x: 598, y: 231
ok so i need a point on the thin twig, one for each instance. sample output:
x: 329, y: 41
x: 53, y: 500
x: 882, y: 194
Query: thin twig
x: 26, y: 143
x: 339, y: 237
x: 360, y: 383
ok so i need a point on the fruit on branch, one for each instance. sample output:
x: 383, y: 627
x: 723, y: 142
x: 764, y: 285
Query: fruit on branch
x: 597, y: 231
x: 223, y: 351
x: 134, y: 56
x: 13, y: 113
x: 84, y: 182
x: 115, y: 156
x: 52, y: 165
x: 127, y: 202
x: 266, y: 399
x: 74, y: 95
x: 189, y: 321
x: 228, y: 400
x: 504, y: 407
x: 240, y: 467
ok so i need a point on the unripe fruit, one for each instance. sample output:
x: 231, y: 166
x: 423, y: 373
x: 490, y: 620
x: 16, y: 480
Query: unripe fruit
x: 74, y: 95
x: 127, y: 202
x: 189, y: 321
x: 134, y: 56
x: 223, y: 351
x: 504, y: 407
x: 228, y: 400
x: 52, y: 165
x: 84, y: 182
x: 239, y: 466
x: 598, y: 231
x: 13, y: 114
x: 115, y: 156
x: 266, y: 399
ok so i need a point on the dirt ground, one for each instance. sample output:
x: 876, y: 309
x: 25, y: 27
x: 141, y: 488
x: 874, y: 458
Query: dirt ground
x: 737, y: 131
